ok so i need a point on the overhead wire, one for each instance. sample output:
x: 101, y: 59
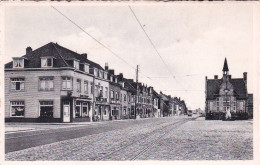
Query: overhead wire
x: 112, y: 52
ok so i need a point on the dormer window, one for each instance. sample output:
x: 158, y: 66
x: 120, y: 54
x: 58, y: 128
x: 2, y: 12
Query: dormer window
x: 46, y: 62
x: 96, y: 72
x: 76, y: 64
x: 105, y: 75
x: 111, y: 78
x: 18, y: 62
x: 115, y: 79
x: 86, y: 68
x: 100, y: 73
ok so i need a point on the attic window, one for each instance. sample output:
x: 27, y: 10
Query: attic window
x: 86, y: 68
x: 47, y: 62
x: 18, y: 62
x: 76, y: 64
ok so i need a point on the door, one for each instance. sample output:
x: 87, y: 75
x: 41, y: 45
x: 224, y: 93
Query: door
x: 66, y: 111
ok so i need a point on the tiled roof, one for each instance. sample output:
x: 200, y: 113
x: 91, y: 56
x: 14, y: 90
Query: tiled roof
x: 213, y: 87
x: 60, y: 54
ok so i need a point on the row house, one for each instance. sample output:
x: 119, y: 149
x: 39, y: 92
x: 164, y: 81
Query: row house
x: 53, y: 83
x: 179, y: 106
x: 132, y: 96
x: 114, y: 95
x: 156, y: 104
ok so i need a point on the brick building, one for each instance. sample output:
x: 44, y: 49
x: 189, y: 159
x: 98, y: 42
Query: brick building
x: 226, y: 95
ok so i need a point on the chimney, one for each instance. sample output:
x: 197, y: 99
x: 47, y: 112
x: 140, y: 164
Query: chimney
x: 111, y: 71
x: 216, y: 77
x: 121, y: 75
x: 28, y: 50
x: 245, y: 79
x: 245, y: 76
x: 106, y: 66
x: 85, y: 55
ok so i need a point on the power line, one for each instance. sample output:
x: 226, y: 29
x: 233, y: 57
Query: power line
x: 112, y: 52
x: 152, y: 43
x: 93, y: 37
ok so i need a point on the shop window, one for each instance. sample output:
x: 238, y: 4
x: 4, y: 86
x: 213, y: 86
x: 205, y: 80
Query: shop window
x: 17, y: 109
x: 17, y: 84
x: 84, y: 109
x: 46, y: 109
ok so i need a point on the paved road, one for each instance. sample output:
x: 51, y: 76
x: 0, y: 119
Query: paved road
x: 171, y: 138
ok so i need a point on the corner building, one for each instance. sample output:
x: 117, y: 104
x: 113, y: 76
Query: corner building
x: 55, y: 84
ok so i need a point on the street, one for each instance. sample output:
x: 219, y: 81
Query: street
x: 168, y: 138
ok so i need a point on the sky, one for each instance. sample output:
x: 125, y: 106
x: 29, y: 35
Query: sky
x: 192, y: 40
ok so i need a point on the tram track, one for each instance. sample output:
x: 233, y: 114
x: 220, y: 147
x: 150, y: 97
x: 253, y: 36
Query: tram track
x: 139, y: 147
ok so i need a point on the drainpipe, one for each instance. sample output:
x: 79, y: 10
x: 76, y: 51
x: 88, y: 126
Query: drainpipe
x: 94, y: 99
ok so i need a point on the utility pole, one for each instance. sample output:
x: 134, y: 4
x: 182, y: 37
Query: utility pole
x: 137, y: 88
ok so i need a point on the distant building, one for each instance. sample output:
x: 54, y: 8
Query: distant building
x: 226, y: 95
x: 250, y: 106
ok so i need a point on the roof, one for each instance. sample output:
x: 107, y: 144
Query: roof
x: 61, y: 55
x: 213, y: 87
x: 225, y: 67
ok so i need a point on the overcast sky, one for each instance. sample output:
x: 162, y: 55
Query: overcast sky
x: 192, y: 40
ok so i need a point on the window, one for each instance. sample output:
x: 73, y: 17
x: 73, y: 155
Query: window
x: 96, y: 90
x: 18, y: 63
x: 78, y: 85
x: 105, y: 75
x: 106, y: 92
x: 76, y: 64
x: 124, y: 111
x: 241, y: 105
x: 91, y: 88
x: 101, y: 91
x: 226, y: 101
x: 86, y: 68
x: 84, y: 109
x: 46, y: 84
x: 66, y: 83
x: 217, y: 100
x: 85, y: 86
x: 17, y: 109
x: 117, y: 96
x: 96, y: 72
x: 47, y: 62
x: 17, y: 84
x: 46, y: 109
x: 100, y: 74
x: 124, y: 97
x: 112, y: 95
x: 129, y: 98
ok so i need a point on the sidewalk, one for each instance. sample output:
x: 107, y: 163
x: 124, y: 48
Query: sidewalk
x: 14, y: 127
